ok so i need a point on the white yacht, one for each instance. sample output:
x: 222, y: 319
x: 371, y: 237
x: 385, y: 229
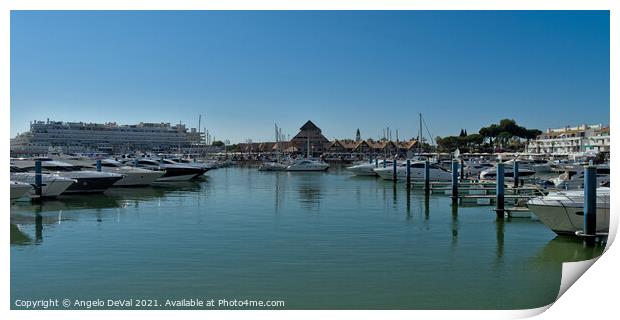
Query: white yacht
x: 491, y: 173
x: 563, y: 211
x: 53, y: 185
x: 572, y: 178
x: 367, y: 169
x: 172, y: 171
x: 132, y: 176
x: 19, y: 189
x: 436, y: 172
x: 473, y: 169
x: 202, y: 165
x: 538, y: 165
x: 307, y: 164
x: 273, y: 166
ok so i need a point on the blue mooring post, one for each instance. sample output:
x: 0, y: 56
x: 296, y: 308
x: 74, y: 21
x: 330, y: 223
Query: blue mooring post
x: 462, y: 169
x: 394, y: 169
x: 427, y: 176
x: 499, y: 182
x: 589, y: 205
x: 98, y: 165
x: 376, y: 162
x: 455, y: 182
x: 408, y: 171
x: 385, y: 163
x: 135, y: 162
x: 38, y: 179
x: 515, y: 174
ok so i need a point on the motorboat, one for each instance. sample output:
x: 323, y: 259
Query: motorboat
x: 563, y: 211
x: 90, y: 181
x: 307, y: 164
x: 491, y: 173
x: 475, y: 168
x: 199, y: 168
x: 172, y: 170
x: 273, y: 166
x: 436, y: 173
x: 573, y: 177
x: 52, y: 185
x: 538, y: 165
x: 19, y: 189
x: 367, y: 169
x: 132, y: 176
x: 202, y: 165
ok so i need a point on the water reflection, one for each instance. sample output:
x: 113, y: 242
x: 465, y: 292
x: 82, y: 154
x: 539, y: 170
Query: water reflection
x: 309, y: 192
x: 18, y: 237
x: 394, y: 196
x: 499, y: 239
x: 454, y: 224
x: 72, y: 207
x: 427, y: 210
x: 567, y: 249
x: 72, y: 202
x: 408, y: 205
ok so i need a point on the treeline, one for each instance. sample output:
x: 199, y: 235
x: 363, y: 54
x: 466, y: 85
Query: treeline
x: 505, y: 136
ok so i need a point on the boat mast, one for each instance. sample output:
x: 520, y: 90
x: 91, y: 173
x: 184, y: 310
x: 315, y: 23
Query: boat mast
x: 277, y: 144
x: 420, y: 135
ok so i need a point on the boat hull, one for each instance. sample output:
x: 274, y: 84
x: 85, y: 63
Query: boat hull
x: 566, y: 220
x: 91, y: 185
x: 416, y: 174
x: 19, y: 190
x: 184, y: 177
x: 137, y: 179
x: 323, y: 168
x: 363, y: 170
x: 52, y: 187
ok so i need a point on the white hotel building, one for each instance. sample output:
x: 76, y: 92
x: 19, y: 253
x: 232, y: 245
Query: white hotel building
x: 571, y: 140
x: 72, y: 137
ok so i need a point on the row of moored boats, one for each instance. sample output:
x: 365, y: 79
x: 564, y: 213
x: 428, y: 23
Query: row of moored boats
x: 74, y: 175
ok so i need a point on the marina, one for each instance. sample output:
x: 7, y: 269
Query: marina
x: 352, y: 231
x: 287, y: 235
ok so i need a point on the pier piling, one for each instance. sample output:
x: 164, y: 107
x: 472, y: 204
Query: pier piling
x: 408, y: 171
x: 515, y: 174
x: 394, y: 175
x: 38, y: 178
x: 462, y: 169
x: 499, y: 182
x: 455, y: 182
x: 384, y: 163
x: 589, y: 205
x: 427, y: 177
x: 376, y: 162
x: 98, y: 165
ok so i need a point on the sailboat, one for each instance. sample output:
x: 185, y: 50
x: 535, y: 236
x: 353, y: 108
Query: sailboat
x: 308, y: 164
x: 274, y: 166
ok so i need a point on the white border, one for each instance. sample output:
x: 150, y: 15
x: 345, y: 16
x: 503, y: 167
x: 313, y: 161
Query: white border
x: 591, y: 296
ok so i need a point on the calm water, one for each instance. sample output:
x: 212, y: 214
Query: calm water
x: 315, y: 240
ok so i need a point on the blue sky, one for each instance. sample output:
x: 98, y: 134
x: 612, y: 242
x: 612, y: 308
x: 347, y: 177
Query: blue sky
x: 244, y: 71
